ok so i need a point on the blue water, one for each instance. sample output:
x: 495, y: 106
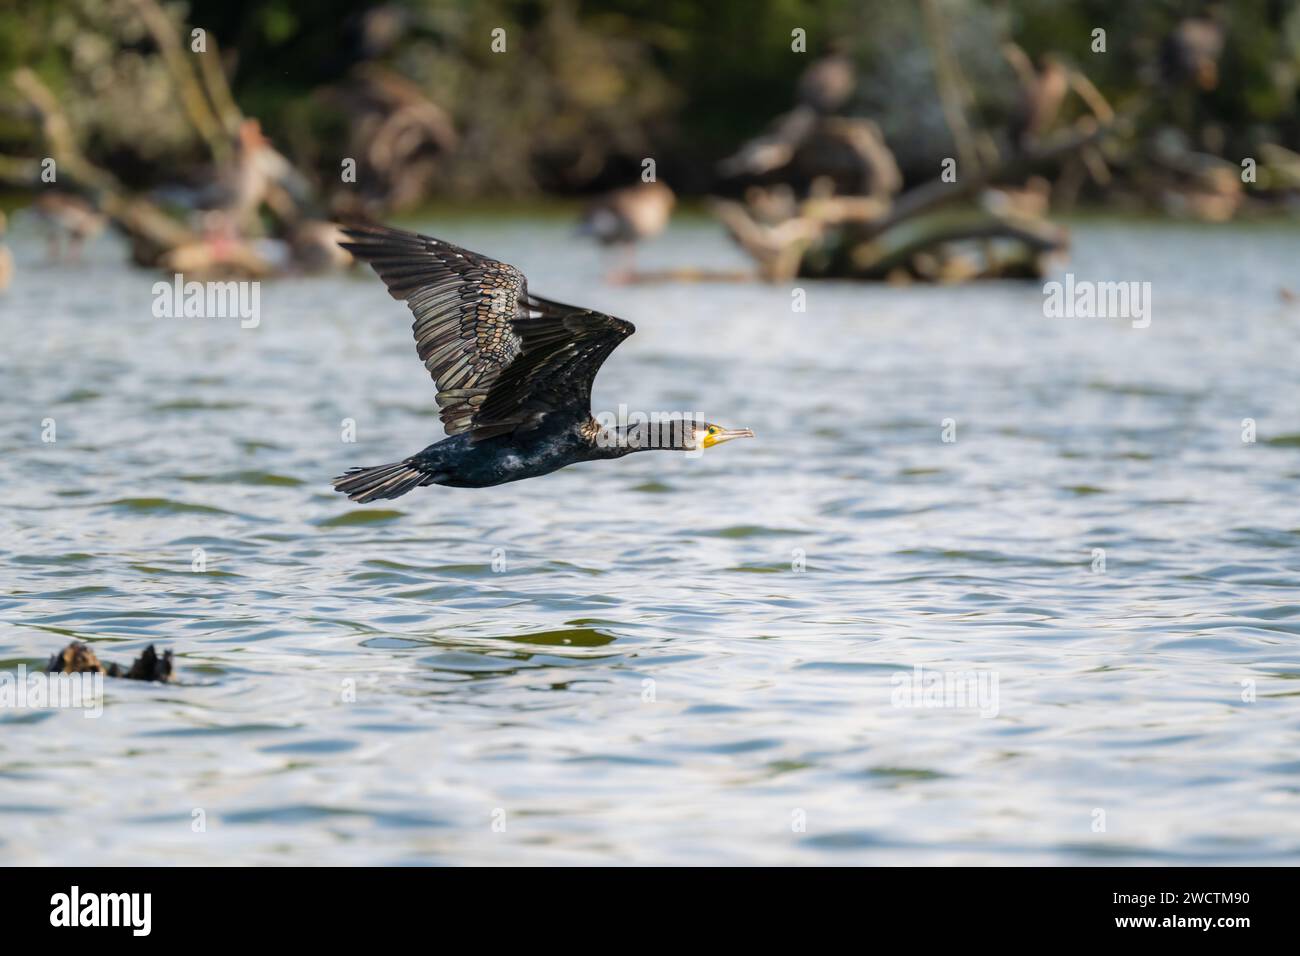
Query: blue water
x: 662, y: 659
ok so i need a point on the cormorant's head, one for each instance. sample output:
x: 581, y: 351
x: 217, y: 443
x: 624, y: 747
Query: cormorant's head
x: 707, y: 434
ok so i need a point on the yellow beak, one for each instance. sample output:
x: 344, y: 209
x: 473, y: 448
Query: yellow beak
x: 726, y: 434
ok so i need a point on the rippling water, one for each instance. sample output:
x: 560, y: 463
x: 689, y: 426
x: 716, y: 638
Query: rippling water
x: 621, y: 662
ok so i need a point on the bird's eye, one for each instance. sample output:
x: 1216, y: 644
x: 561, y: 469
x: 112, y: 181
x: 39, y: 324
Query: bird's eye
x: 713, y: 429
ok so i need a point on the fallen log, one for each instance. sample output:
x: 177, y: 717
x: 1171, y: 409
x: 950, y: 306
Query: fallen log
x: 150, y: 230
x: 927, y: 251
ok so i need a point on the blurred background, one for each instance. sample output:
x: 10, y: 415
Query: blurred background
x: 219, y: 136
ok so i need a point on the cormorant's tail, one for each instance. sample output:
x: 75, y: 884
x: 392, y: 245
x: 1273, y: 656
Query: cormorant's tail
x: 381, y: 481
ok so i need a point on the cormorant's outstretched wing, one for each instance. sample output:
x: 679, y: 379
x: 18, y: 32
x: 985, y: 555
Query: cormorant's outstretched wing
x: 562, y: 348
x: 501, y: 358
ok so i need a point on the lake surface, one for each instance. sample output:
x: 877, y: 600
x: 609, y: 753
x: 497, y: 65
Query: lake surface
x: 664, y: 660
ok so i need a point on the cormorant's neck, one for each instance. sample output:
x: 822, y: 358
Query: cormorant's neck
x: 626, y: 439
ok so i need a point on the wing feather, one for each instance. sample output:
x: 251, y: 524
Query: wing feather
x: 502, y: 359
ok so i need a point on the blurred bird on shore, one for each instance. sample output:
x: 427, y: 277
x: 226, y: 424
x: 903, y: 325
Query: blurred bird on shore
x: 68, y: 221
x: 624, y: 217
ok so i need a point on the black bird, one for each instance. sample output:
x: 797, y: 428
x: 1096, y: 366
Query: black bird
x: 513, y: 371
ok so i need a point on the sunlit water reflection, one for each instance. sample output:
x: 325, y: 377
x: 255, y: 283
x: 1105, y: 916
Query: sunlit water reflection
x: 648, y: 679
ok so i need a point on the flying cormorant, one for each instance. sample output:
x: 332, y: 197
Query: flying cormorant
x: 513, y: 371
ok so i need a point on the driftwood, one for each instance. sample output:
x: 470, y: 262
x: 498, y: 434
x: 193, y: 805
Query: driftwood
x: 1281, y: 165
x: 776, y: 250
x: 248, y: 175
x: 157, y: 239
x: 215, y: 237
x: 936, y: 193
x: 880, y: 234
x: 151, y: 231
x: 932, y: 251
x: 397, y: 134
x: 864, y: 238
x: 849, y: 236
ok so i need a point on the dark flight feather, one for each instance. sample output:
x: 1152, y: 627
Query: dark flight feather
x: 501, y: 358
